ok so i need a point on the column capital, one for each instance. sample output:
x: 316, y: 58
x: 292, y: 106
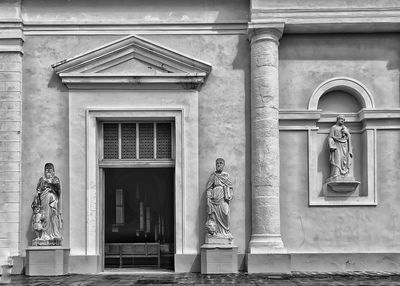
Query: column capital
x: 11, y: 37
x: 258, y: 31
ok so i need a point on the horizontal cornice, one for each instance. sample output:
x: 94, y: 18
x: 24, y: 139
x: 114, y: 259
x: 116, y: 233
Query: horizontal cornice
x: 174, y: 81
x: 62, y: 28
x: 332, y: 20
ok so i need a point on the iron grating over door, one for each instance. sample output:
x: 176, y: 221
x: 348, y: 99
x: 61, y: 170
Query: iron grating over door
x: 146, y: 141
x: 110, y: 132
x: 128, y: 141
x: 164, y: 141
x: 134, y: 141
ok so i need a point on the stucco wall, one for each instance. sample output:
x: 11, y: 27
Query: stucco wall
x: 223, y: 117
x: 308, y: 60
x: 136, y: 11
x: 305, y: 62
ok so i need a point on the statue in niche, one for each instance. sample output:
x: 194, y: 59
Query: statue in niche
x: 341, y: 155
x: 47, y: 219
x: 219, y: 192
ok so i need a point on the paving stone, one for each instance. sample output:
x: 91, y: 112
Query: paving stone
x: 244, y: 279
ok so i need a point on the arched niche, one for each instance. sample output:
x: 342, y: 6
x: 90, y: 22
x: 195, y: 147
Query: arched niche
x: 353, y: 99
x: 339, y: 101
x: 349, y: 97
x: 345, y: 84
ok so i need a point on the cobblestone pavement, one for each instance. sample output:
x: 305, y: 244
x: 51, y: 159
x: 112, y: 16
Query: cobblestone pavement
x: 353, y: 278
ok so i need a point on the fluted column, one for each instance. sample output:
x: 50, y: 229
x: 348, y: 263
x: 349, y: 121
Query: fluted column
x: 266, y: 231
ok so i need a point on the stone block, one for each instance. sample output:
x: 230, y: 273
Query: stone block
x: 218, y: 259
x: 12, y: 86
x: 51, y: 260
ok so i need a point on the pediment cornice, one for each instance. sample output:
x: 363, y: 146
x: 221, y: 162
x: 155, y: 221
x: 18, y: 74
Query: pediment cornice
x: 98, y: 68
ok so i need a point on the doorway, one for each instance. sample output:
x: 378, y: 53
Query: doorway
x: 139, y: 218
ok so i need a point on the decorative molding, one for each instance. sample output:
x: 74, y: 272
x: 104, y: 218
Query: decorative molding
x: 62, y: 28
x: 11, y: 37
x: 136, y: 163
x: 173, y: 70
x: 302, y: 119
x: 352, y: 86
x: 265, y: 31
x: 332, y: 20
x: 95, y: 189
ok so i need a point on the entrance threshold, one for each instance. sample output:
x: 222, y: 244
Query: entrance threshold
x: 136, y: 270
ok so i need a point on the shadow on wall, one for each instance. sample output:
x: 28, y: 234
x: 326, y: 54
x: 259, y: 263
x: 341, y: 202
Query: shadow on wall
x: 243, y: 63
x: 55, y: 82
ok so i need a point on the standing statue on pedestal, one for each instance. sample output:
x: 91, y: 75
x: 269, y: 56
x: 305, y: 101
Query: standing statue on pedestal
x: 340, y: 159
x: 341, y: 155
x: 219, y: 192
x: 47, y: 220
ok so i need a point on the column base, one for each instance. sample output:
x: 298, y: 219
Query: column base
x: 266, y: 244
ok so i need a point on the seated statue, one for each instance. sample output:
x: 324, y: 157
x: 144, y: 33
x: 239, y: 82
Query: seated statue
x: 219, y: 192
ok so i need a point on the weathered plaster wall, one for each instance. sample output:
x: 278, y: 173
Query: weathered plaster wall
x: 307, y: 61
x: 318, y: 4
x: 223, y: 117
x: 45, y: 119
x: 137, y: 11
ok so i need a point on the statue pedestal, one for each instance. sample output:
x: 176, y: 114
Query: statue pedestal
x: 46, y: 260
x: 219, y: 258
x: 342, y: 185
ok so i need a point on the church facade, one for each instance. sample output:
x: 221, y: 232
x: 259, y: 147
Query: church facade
x: 133, y: 102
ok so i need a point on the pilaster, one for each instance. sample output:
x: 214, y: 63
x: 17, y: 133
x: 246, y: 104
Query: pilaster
x: 11, y: 40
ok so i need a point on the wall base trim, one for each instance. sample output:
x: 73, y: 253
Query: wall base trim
x: 323, y: 262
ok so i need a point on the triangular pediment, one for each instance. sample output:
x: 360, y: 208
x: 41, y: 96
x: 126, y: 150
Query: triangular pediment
x: 132, y: 62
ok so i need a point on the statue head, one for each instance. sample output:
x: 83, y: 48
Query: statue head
x: 211, y: 226
x: 219, y: 165
x: 340, y: 119
x: 48, y: 170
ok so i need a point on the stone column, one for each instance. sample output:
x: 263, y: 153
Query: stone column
x: 266, y: 232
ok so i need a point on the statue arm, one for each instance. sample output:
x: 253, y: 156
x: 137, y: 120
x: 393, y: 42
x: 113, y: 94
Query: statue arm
x: 39, y: 185
x: 56, y: 186
x: 210, y: 182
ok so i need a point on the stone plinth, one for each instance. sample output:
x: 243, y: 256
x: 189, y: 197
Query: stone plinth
x: 342, y: 185
x: 46, y: 260
x: 219, y: 259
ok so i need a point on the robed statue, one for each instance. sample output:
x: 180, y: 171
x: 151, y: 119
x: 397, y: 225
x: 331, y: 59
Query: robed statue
x: 219, y: 192
x: 47, y: 219
x: 340, y: 152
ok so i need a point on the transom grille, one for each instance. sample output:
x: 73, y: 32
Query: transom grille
x: 128, y: 141
x: 134, y: 141
x: 163, y: 140
x: 110, y: 141
x: 146, y: 141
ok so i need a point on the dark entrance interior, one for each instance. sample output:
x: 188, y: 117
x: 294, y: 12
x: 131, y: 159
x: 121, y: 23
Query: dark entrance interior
x: 139, y: 218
